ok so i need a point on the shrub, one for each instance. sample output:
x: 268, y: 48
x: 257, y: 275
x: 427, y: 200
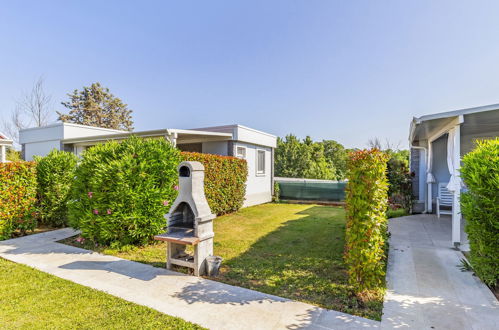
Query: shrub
x: 400, y: 183
x: 366, y: 228
x: 55, y: 174
x: 123, y: 190
x: 277, y: 192
x: 225, y: 181
x: 480, y: 208
x: 17, y: 197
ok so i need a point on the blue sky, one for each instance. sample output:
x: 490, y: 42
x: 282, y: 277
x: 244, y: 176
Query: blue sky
x: 342, y: 70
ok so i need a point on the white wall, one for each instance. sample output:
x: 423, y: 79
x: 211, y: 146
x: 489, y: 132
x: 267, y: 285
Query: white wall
x: 246, y: 134
x: 258, y: 187
x: 40, y: 148
x: 41, y: 134
x: 216, y: 148
x: 76, y: 131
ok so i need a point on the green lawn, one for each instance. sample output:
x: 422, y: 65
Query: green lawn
x: 289, y: 250
x: 30, y: 299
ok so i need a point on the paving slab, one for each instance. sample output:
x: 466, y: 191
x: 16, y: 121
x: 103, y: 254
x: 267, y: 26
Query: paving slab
x: 208, y: 303
x: 426, y: 287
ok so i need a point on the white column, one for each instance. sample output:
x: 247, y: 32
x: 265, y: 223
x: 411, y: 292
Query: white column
x: 429, y: 161
x: 3, y: 154
x: 456, y: 205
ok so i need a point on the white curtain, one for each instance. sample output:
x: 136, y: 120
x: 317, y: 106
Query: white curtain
x: 454, y: 181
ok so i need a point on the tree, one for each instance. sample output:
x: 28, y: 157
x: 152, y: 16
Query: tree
x: 32, y: 110
x: 302, y: 159
x: 337, y: 155
x: 96, y: 106
x: 290, y: 160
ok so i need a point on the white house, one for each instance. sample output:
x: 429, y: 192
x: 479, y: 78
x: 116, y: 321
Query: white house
x: 5, y: 143
x: 231, y: 140
x: 438, y: 142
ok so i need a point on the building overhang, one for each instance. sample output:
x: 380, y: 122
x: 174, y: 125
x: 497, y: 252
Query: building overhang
x: 473, y: 121
x: 180, y: 136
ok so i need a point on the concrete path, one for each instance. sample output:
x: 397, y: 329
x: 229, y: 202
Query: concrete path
x: 426, y: 288
x: 208, y: 303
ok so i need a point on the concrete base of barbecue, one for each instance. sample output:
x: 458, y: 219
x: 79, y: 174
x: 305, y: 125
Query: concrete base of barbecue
x: 176, y: 255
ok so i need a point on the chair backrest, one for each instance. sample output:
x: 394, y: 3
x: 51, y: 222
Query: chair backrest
x: 446, y: 197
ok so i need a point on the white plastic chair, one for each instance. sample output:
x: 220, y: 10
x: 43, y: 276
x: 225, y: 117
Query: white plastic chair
x: 445, y: 198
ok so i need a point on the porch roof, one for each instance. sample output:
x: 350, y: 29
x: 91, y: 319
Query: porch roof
x: 4, y: 140
x: 472, y: 120
x: 182, y: 136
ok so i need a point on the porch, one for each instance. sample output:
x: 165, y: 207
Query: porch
x: 438, y: 142
x: 426, y: 287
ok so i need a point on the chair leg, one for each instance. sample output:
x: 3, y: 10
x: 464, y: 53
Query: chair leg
x: 438, y: 209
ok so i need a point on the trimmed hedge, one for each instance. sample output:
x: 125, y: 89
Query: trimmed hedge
x: 123, y: 190
x: 17, y: 198
x: 55, y: 175
x: 225, y: 180
x: 366, y: 227
x: 480, y: 208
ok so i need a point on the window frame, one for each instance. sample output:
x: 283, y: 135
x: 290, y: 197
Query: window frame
x: 245, y: 152
x: 264, y: 172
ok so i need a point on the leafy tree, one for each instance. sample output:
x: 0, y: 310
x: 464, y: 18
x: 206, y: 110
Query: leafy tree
x: 96, y: 106
x: 302, y: 159
x: 290, y: 158
x: 337, y: 155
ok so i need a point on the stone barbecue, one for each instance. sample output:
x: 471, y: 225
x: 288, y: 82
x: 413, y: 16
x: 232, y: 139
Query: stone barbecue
x: 190, y: 221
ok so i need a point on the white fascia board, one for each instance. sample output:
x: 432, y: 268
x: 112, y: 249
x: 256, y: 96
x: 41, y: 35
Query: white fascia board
x: 455, y: 113
x: 150, y: 133
x: 117, y: 136
x: 198, y: 132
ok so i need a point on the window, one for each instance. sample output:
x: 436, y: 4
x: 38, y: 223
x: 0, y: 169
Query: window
x: 260, y: 162
x: 241, y: 152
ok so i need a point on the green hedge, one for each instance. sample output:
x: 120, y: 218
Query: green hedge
x: 225, y: 181
x: 480, y: 208
x: 55, y: 175
x: 17, y: 197
x: 123, y: 190
x: 366, y: 227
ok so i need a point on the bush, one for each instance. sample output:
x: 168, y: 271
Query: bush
x: 480, y: 208
x: 277, y: 192
x: 366, y: 227
x: 17, y: 198
x: 123, y: 190
x: 225, y: 181
x: 400, y: 184
x: 55, y: 174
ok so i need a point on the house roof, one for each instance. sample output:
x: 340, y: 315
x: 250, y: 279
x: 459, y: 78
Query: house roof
x: 60, y: 123
x: 5, y: 138
x: 473, y: 121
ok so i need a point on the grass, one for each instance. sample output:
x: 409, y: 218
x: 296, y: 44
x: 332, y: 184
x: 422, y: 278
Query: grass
x: 30, y: 299
x: 289, y: 250
x: 396, y: 213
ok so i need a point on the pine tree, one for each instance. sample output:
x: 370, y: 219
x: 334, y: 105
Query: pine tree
x: 96, y: 106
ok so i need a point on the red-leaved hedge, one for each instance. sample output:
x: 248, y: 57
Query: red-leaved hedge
x: 17, y: 197
x: 366, y: 227
x: 225, y: 180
